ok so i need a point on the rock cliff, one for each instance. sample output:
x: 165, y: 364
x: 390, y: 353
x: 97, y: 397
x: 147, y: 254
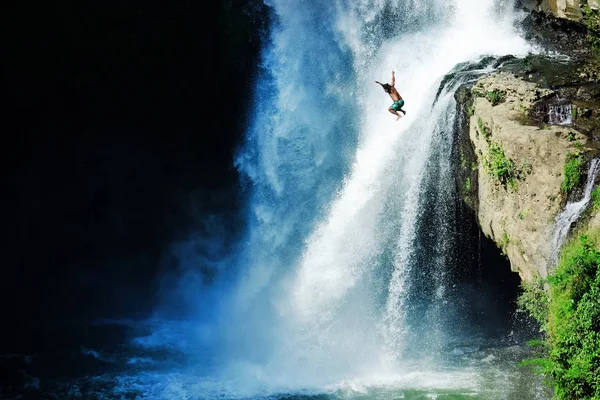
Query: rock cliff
x: 529, y: 134
x: 525, y: 123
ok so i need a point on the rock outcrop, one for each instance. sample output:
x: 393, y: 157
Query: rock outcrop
x: 513, y: 165
x: 570, y: 27
x: 525, y: 123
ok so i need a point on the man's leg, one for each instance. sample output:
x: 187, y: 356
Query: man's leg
x: 395, y: 113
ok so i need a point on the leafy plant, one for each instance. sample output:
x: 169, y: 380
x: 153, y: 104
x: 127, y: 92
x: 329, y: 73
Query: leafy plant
x: 504, y: 241
x: 592, y: 22
x: 571, y: 317
x: 471, y: 110
x: 500, y: 166
x: 468, y: 184
x: 484, y: 129
x: 496, y: 97
x: 596, y: 198
x: 574, y: 321
x: 533, y: 300
x: 573, y: 170
x: 522, y: 214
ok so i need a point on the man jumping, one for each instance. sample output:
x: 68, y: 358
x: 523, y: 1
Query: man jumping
x: 398, y: 102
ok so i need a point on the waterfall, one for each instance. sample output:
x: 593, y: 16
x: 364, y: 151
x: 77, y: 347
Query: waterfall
x: 572, y: 211
x: 560, y: 114
x: 345, y: 283
x: 349, y: 207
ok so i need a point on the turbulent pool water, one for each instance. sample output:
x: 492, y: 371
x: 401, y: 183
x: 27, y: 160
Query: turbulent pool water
x: 345, y: 285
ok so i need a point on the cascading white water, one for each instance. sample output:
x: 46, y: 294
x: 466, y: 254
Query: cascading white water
x: 560, y: 114
x: 339, y: 185
x: 572, y: 211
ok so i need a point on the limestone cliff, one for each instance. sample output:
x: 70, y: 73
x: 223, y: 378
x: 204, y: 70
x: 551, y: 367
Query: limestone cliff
x: 513, y: 163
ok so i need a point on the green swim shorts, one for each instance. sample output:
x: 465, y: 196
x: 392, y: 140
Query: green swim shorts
x: 397, y: 105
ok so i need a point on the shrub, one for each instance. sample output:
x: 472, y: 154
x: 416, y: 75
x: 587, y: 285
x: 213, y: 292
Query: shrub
x: 596, y: 198
x: 496, y: 97
x: 573, y: 170
x: 522, y: 214
x: 484, y: 129
x: 500, y: 166
x: 574, y: 321
x: 533, y: 300
x: 571, y: 319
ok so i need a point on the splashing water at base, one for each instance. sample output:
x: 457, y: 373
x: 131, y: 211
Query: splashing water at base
x: 477, y: 370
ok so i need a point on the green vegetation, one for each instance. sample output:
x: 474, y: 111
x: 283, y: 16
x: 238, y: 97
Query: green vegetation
x: 523, y: 214
x: 591, y: 20
x: 534, y: 301
x: 521, y: 108
x: 504, y: 241
x: 596, y: 198
x: 496, y: 97
x: 468, y: 184
x: 573, y: 170
x: 570, y: 315
x: 471, y: 110
x: 500, y: 166
x: 484, y: 129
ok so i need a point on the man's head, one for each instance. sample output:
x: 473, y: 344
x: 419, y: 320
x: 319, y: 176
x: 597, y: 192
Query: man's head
x: 387, y: 87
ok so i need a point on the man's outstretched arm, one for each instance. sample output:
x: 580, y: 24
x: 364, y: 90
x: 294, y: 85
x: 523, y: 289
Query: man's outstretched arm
x: 393, y: 79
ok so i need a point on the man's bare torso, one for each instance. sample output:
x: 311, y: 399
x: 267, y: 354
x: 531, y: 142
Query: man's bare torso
x: 395, y: 95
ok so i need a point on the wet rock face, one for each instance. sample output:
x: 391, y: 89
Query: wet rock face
x: 574, y: 89
x: 556, y: 34
x: 554, y: 111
